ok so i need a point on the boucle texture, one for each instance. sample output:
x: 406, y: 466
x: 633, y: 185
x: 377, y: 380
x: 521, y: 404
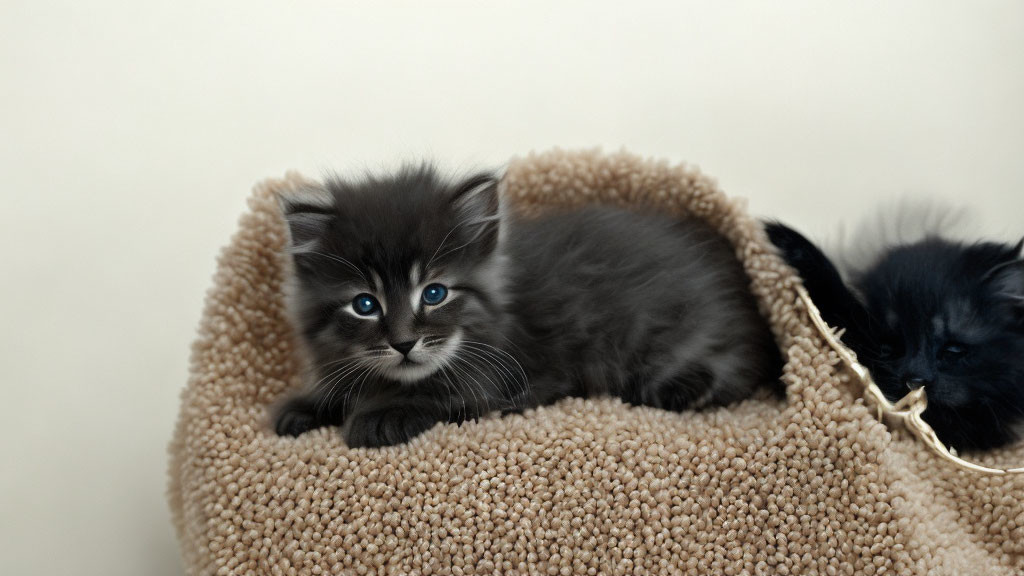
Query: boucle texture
x: 812, y: 484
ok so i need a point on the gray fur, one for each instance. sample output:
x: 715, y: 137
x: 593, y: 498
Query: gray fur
x: 597, y: 301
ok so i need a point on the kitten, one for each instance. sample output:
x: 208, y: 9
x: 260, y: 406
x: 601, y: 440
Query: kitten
x: 936, y: 313
x: 422, y: 303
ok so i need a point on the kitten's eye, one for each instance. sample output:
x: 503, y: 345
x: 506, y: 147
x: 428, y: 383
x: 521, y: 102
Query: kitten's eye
x: 434, y: 294
x: 365, y: 305
x: 953, y: 350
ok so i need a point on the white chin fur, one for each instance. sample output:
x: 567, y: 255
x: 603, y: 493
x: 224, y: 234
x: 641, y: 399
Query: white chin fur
x: 410, y: 373
x: 426, y: 363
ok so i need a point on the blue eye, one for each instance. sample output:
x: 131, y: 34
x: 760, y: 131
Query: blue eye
x: 365, y: 305
x: 434, y: 294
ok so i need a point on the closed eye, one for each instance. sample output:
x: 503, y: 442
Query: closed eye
x: 890, y: 351
x: 953, y: 351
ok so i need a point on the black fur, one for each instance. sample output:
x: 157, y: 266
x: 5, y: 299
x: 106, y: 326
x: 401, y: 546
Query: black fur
x: 595, y: 301
x: 935, y: 313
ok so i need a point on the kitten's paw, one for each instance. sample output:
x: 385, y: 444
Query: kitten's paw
x: 295, y: 419
x: 386, y: 428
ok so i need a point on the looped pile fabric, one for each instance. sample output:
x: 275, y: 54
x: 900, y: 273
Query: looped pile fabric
x: 812, y: 484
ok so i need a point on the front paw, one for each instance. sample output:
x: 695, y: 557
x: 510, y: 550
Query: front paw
x: 386, y: 428
x: 296, y: 417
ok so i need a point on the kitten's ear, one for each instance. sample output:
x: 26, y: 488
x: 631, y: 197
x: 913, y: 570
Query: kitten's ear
x: 308, y: 213
x: 1007, y: 279
x: 478, y: 208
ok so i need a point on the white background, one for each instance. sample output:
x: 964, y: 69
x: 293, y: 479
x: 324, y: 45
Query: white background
x: 131, y: 132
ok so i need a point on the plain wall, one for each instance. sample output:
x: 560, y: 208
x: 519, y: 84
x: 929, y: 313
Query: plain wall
x: 131, y: 132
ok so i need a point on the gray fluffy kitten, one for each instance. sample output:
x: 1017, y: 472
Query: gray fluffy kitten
x: 421, y: 303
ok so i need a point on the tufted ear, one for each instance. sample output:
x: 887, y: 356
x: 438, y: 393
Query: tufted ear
x: 477, y: 206
x: 1007, y: 279
x: 308, y: 212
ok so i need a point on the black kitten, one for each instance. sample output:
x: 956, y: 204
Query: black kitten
x: 421, y: 303
x: 935, y: 313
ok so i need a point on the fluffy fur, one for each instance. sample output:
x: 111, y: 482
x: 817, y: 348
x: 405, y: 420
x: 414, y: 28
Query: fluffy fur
x: 598, y: 301
x: 937, y: 313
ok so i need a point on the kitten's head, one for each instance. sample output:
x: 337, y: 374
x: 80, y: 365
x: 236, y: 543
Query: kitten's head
x: 951, y: 319
x: 394, y: 274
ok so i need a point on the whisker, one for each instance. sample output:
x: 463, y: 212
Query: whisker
x: 468, y: 380
x: 327, y: 400
x: 502, y: 372
x: 361, y: 380
x: 479, y: 386
x: 484, y: 346
x: 347, y: 363
x: 451, y: 388
x: 341, y: 260
x: 443, y: 240
x: 447, y: 252
x: 481, y: 356
x: 347, y: 358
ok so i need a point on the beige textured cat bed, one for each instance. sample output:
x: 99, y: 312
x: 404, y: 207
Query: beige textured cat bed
x: 813, y: 484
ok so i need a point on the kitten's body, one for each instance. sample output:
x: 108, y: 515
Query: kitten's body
x: 591, y: 302
x: 935, y: 313
x: 641, y: 306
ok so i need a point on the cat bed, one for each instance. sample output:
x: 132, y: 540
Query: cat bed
x: 812, y: 484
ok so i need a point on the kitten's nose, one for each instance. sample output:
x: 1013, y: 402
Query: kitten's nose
x: 404, y: 347
x: 914, y: 383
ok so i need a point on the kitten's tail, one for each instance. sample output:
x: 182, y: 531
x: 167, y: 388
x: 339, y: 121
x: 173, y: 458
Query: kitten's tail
x: 838, y: 305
